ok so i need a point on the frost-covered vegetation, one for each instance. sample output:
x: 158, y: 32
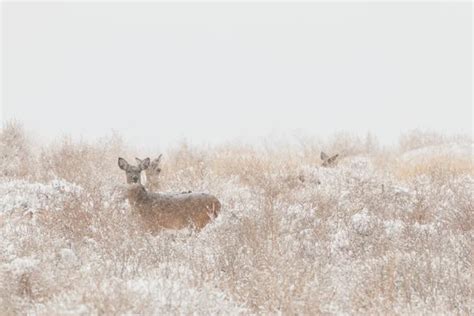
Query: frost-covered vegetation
x: 384, y: 231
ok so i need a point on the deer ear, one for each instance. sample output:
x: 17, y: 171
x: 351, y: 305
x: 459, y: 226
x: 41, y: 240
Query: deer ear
x: 144, y: 164
x: 138, y: 160
x: 324, y: 156
x: 123, y: 164
x: 333, y: 158
x: 156, y: 162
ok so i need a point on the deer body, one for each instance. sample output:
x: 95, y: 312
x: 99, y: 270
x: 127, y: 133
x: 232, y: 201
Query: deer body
x: 173, y: 211
x: 168, y: 211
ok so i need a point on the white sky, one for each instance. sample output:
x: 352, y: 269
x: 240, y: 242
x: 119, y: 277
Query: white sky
x: 207, y: 72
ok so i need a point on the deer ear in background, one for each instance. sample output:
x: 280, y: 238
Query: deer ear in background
x: 156, y: 162
x: 333, y: 159
x: 143, y: 164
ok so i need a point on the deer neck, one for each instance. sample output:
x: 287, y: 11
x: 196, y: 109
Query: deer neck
x: 137, y: 194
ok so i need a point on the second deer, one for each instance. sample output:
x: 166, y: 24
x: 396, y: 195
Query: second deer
x: 328, y: 161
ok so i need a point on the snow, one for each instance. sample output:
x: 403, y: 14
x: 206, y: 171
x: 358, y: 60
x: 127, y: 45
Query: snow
x: 27, y: 196
x: 393, y: 228
x: 20, y: 266
x: 361, y: 222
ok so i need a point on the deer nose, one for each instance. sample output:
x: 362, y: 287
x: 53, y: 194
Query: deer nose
x: 135, y: 178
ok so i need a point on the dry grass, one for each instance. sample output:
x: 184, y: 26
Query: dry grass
x: 440, y: 167
x: 384, y: 232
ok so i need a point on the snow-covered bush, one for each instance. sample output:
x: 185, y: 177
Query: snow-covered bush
x: 15, y: 151
x: 292, y: 237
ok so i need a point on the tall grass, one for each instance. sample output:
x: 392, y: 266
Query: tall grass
x: 385, y: 231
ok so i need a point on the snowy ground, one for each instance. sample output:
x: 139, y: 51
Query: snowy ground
x: 379, y: 233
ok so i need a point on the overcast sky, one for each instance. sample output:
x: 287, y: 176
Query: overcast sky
x: 159, y: 72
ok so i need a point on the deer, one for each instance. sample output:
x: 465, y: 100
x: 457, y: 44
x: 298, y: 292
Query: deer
x: 328, y: 161
x: 167, y: 210
x: 152, y: 172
